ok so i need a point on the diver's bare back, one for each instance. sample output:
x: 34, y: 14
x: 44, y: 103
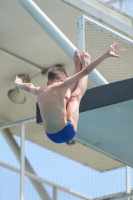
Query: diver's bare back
x: 52, y: 106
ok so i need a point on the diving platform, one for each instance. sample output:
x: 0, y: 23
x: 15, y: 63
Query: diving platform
x: 106, y: 120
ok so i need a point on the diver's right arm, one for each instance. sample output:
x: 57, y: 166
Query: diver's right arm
x: 29, y: 87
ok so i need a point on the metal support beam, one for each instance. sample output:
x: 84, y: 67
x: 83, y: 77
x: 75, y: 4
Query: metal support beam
x: 106, y: 14
x: 15, y: 123
x: 54, y: 32
x: 114, y: 1
x: 49, y: 27
x: 16, y: 150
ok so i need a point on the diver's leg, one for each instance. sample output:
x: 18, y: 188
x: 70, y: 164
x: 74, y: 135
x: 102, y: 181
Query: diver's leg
x: 78, y: 67
x: 76, y: 96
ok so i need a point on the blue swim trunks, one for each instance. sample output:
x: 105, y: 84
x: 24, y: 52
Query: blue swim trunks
x: 65, y: 135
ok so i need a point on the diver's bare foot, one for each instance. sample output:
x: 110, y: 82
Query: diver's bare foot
x: 76, y: 58
x: 85, y: 58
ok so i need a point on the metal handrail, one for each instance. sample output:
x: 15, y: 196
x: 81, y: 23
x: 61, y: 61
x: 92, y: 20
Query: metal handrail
x: 42, y: 180
x: 15, y: 123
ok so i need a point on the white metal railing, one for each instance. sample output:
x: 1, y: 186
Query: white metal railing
x: 41, y: 180
x: 22, y: 166
x: 22, y: 170
x: 57, y: 187
x: 120, y: 196
x: 19, y: 154
x: 34, y: 177
x: 15, y: 123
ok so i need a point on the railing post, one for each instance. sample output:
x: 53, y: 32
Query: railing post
x: 54, y: 193
x: 22, y: 163
x: 128, y: 184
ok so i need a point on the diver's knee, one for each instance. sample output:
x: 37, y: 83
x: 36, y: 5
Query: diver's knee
x: 76, y: 96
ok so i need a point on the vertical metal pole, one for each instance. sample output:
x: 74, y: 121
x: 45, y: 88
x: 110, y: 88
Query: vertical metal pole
x: 128, y: 185
x: 22, y: 165
x: 81, y: 34
x: 121, y: 4
x: 54, y: 193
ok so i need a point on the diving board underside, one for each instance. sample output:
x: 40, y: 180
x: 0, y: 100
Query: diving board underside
x: 106, y: 120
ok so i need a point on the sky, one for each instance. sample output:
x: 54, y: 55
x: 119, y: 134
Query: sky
x: 59, y: 169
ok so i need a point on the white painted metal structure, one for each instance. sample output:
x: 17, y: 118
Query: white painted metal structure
x: 57, y: 35
x: 19, y: 154
x: 81, y: 40
x: 81, y: 21
x: 49, y: 26
x: 25, y: 165
x: 26, y: 170
x: 116, y: 1
x: 22, y: 156
x: 15, y: 53
x: 106, y: 14
x: 21, y: 36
